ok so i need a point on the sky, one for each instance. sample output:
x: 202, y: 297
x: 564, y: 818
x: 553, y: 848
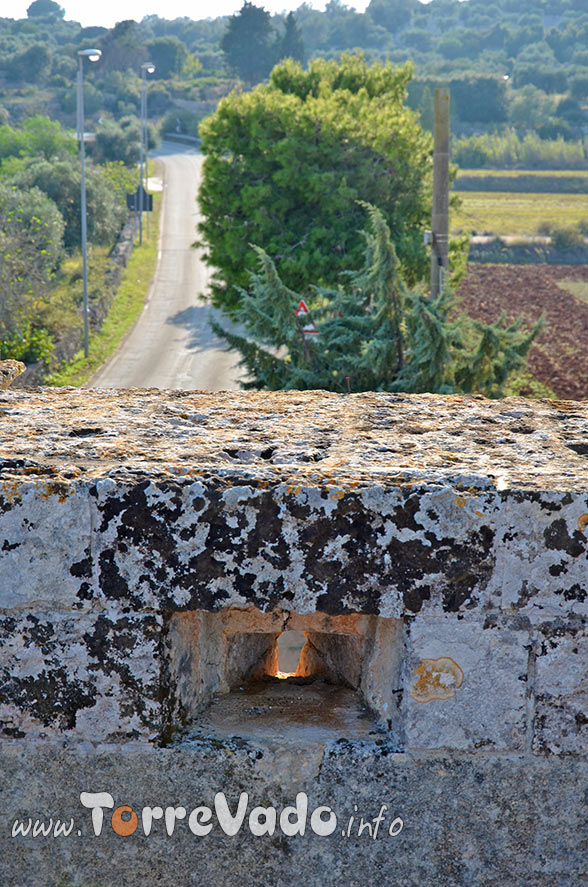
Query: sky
x: 108, y: 12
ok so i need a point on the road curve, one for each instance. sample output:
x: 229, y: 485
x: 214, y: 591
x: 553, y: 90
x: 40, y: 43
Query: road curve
x: 171, y: 345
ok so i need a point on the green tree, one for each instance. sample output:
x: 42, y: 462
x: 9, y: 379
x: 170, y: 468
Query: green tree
x: 426, y: 109
x: 61, y: 182
x: 374, y: 333
x: 248, y: 43
x: 123, y: 47
x: 117, y: 140
x: 285, y: 163
x: 168, y: 55
x: 45, y: 9
x: 392, y: 14
x: 31, y: 246
x: 31, y: 65
x: 38, y: 137
x: 46, y: 138
x: 291, y: 45
x: 530, y: 107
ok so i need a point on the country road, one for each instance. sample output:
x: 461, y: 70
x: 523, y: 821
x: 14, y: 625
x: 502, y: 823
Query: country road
x: 172, y: 345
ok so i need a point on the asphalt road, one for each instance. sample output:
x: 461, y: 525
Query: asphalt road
x: 172, y: 345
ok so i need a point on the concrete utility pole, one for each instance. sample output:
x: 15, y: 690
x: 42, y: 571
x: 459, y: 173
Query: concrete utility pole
x: 440, y: 223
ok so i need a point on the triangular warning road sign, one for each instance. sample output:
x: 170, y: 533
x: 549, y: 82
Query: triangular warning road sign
x: 310, y: 329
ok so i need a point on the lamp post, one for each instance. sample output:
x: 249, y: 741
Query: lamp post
x: 93, y: 55
x: 146, y: 68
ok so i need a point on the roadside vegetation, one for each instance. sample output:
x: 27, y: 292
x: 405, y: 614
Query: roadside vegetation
x: 287, y: 163
x: 126, y: 306
x: 303, y: 138
x: 40, y: 231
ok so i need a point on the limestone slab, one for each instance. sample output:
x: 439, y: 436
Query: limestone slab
x: 465, y: 684
x: 561, y: 687
x: 90, y: 677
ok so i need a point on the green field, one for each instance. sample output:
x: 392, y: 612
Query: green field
x: 516, y: 173
x: 515, y: 213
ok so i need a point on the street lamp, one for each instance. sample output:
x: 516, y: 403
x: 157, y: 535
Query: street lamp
x: 93, y: 55
x: 146, y: 68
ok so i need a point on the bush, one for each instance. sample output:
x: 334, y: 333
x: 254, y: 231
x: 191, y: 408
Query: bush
x: 181, y: 121
x: 566, y: 240
x: 29, y: 344
x: 31, y: 247
x: 117, y: 141
x: 510, y: 151
x: 61, y: 182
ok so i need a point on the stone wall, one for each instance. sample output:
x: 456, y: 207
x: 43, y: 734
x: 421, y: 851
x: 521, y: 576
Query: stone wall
x: 153, y: 545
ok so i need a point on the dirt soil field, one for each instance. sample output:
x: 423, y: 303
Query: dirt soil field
x: 559, y: 357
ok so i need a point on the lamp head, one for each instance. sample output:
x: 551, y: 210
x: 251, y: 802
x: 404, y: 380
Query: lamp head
x: 149, y: 67
x: 92, y: 54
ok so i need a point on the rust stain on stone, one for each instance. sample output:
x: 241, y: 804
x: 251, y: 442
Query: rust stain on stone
x: 583, y: 522
x: 437, y: 679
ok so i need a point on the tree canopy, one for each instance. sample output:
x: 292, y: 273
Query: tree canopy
x: 373, y: 333
x: 248, y: 43
x: 31, y: 246
x: 292, y: 44
x: 44, y: 9
x: 169, y: 55
x: 286, y: 163
x: 60, y: 181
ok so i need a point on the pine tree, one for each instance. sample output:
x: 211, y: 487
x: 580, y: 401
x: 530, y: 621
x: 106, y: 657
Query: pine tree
x: 292, y: 44
x: 374, y: 333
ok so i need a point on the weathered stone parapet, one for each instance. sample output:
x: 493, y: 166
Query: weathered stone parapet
x: 460, y: 520
x: 155, y: 545
x: 384, y: 504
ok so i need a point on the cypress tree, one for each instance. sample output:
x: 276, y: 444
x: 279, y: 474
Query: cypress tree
x: 374, y: 333
x: 292, y: 44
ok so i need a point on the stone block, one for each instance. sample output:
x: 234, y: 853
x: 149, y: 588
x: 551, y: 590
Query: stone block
x: 90, y: 677
x: 544, y: 561
x: 465, y: 684
x: 475, y: 821
x: 561, y: 688
x: 45, y: 557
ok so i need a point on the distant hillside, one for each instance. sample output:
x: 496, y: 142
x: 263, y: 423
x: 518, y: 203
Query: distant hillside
x: 519, y: 64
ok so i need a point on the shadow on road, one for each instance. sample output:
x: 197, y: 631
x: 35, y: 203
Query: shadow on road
x: 196, y: 321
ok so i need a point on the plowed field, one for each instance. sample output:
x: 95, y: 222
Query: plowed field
x: 559, y: 357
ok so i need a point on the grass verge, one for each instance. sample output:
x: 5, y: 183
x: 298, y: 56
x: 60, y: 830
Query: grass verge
x: 126, y: 308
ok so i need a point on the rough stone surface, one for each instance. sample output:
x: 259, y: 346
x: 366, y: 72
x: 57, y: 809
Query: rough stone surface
x: 377, y: 503
x: 561, y: 717
x: 468, y: 822
x: 484, y: 667
x: 96, y: 678
x: 9, y: 370
x: 153, y: 546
